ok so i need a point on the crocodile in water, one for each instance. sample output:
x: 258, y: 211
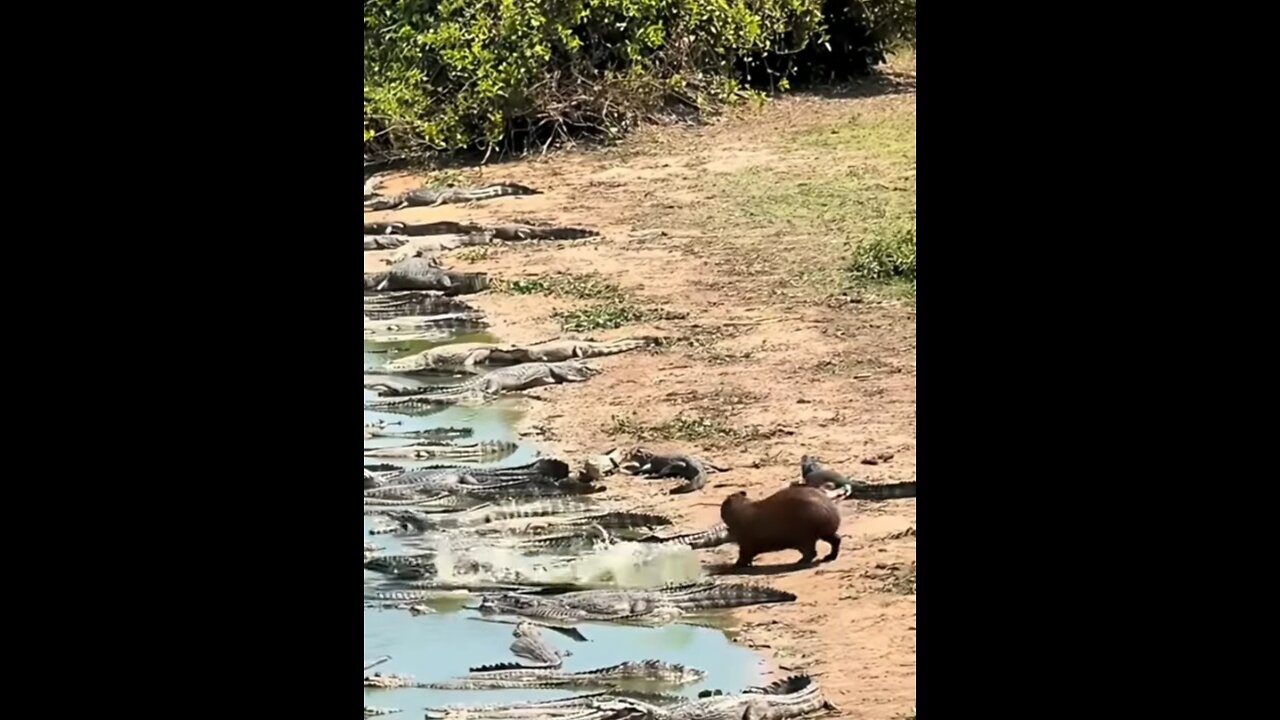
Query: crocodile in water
x: 485, y: 451
x: 512, y: 675
x: 530, y: 645
x: 794, y: 697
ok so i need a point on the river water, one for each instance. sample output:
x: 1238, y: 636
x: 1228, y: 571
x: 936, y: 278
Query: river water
x: 447, y: 643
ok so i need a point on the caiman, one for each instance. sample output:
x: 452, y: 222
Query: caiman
x: 550, y: 351
x: 612, y: 605
x: 814, y: 474
x: 416, y: 273
x: 512, y: 675
x: 503, y: 380
x: 646, y: 463
x: 530, y: 645
x: 433, y: 197
x: 794, y: 697
x: 485, y: 451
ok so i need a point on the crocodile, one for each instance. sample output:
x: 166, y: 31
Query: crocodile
x: 552, y: 351
x: 544, y: 468
x: 485, y: 451
x: 438, y: 434
x: 379, y: 711
x: 646, y: 463
x: 522, y: 233
x: 416, y: 273
x: 530, y: 645
x: 384, y: 242
x: 502, y: 380
x: 713, y: 536
x: 814, y: 474
x: 444, y: 227
x: 793, y: 697
x: 513, y: 675
x: 549, y: 351
x: 429, y: 197
x: 408, y: 303
x: 586, y: 605
x: 444, y: 321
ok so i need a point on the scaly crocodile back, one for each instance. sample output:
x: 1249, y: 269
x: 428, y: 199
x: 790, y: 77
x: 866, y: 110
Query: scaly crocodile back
x: 884, y: 491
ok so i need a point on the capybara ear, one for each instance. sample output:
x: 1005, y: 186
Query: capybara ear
x: 741, y: 493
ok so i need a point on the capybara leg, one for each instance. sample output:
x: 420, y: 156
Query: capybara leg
x: 808, y: 554
x: 744, y: 557
x: 834, y: 542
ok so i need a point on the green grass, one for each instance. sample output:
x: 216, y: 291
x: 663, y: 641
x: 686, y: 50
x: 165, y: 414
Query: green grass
x: 586, y: 286
x: 688, y: 428
x: 832, y: 210
x: 604, y: 316
x: 886, y: 259
x: 613, y: 308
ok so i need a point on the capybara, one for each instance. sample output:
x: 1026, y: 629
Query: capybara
x: 794, y: 518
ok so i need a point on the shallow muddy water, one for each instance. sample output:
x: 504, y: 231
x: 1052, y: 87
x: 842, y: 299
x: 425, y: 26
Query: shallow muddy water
x: 447, y: 643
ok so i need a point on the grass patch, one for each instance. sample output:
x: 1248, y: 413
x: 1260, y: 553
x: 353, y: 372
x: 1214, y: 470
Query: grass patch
x: 605, y: 316
x: 832, y: 204
x: 887, y: 258
x: 614, y: 307
x: 475, y: 254
x: 697, y: 429
x: 588, y: 286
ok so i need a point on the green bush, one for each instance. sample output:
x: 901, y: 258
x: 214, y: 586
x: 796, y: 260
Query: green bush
x: 887, y: 257
x: 485, y: 74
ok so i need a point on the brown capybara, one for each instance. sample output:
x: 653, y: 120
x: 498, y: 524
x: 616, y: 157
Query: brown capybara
x: 794, y: 518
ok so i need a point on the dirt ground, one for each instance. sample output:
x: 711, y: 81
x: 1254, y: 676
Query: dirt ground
x: 731, y: 241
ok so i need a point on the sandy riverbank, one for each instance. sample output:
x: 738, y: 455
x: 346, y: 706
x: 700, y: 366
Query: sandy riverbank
x: 767, y: 365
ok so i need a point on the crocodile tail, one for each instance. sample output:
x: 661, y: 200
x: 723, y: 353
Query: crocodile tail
x: 516, y: 189
x: 495, y: 667
x: 552, y: 468
x: 886, y: 491
x: 627, y: 520
x: 732, y: 595
x: 785, y: 686
x: 571, y: 233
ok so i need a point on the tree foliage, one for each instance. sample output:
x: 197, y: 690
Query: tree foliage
x: 481, y: 74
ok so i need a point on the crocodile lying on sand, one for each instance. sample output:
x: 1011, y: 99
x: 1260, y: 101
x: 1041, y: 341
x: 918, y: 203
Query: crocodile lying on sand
x: 429, y: 197
x: 512, y: 675
x: 794, y: 697
x: 814, y: 474
x: 549, y: 351
x: 420, y: 229
x: 645, y: 463
x: 504, y: 380
x: 416, y: 273
x: 485, y: 451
